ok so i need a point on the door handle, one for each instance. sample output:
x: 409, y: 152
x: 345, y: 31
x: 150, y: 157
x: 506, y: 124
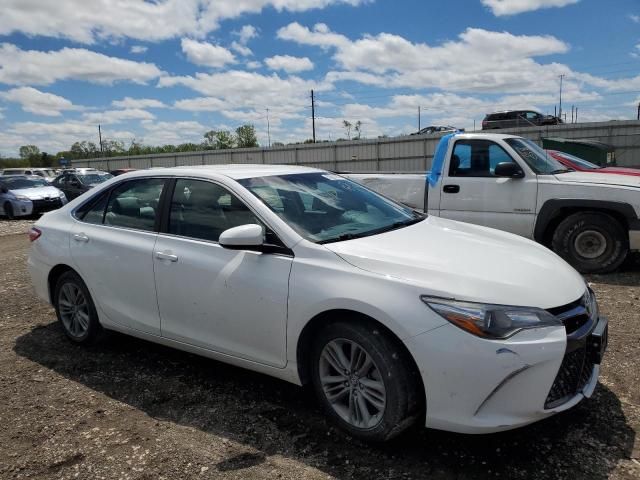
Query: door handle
x: 80, y: 237
x: 451, y: 188
x: 166, y: 256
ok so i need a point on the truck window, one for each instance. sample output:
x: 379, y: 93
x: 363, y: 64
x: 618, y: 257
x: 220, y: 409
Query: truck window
x: 476, y: 158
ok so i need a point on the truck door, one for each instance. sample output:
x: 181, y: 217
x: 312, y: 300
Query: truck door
x: 470, y: 191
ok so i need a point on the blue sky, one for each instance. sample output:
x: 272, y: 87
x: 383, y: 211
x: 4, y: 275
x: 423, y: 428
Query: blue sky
x: 169, y: 70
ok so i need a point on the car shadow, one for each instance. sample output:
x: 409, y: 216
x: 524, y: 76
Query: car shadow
x: 274, y: 417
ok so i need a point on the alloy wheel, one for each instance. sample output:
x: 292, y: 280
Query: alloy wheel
x: 352, y: 383
x: 74, y: 310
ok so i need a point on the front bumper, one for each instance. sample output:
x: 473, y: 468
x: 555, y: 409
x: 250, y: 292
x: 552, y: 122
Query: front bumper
x: 474, y: 385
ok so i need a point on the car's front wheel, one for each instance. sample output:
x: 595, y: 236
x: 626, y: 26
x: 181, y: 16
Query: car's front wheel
x: 75, y: 309
x: 365, y: 381
x: 8, y: 211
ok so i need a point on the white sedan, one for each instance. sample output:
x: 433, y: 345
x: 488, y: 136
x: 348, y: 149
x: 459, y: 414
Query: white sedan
x: 392, y: 316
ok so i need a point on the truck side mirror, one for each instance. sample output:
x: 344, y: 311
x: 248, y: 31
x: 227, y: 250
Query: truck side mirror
x: 508, y: 169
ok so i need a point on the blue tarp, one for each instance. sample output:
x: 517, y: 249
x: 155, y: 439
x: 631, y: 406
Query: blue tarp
x: 438, y: 160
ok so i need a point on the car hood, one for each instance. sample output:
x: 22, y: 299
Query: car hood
x: 37, y: 193
x: 599, y: 178
x: 620, y: 170
x: 467, y: 262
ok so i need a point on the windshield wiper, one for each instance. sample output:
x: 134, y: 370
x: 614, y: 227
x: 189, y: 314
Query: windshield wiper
x: 560, y: 170
x: 368, y: 233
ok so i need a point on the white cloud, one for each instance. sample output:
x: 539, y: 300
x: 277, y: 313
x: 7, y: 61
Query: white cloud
x: 117, y: 116
x: 478, y: 60
x: 206, y: 54
x: 138, y: 49
x: 86, y: 21
x: 253, y: 65
x: 246, y: 33
x: 37, y: 102
x: 201, y: 104
x: 173, y: 133
x: 512, y: 7
x: 128, y: 102
x: 32, y: 67
x: 241, y: 89
x: 241, y: 49
x: 288, y: 63
x: 634, y: 18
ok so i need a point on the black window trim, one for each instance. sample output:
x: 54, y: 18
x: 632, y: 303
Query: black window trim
x: 165, y: 212
x: 475, y: 140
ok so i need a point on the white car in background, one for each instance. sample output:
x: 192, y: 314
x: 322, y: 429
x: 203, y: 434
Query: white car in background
x: 21, y: 196
x: 392, y: 316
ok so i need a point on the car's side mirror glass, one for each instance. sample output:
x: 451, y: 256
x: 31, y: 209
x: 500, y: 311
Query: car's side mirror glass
x: 508, y: 169
x: 244, y: 237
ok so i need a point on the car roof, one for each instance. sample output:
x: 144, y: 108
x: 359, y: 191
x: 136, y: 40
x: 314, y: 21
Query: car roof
x: 235, y: 171
x: 483, y: 136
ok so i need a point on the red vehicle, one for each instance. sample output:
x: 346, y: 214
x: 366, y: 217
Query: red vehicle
x: 580, y: 165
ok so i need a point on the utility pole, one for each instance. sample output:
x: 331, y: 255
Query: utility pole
x: 418, y: 118
x: 313, y: 116
x: 571, y: 113
x: 100, y: 137
x: 268, y: 129
x: 638, y: 110
x: 560, y: 107
x: 576, y: 114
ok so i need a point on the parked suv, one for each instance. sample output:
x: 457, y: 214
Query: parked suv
x: 517, y: 118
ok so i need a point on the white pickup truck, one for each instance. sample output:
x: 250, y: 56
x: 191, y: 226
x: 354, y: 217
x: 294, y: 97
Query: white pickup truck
x: 510, y: 183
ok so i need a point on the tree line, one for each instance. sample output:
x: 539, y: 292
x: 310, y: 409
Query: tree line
x: 31, y: 156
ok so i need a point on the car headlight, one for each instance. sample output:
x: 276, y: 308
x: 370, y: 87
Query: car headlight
x: 490, y: 321
x: 22, y: 198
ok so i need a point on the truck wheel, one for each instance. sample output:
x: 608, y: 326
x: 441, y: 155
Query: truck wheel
x: 364, y: 381
x: 591, y: 242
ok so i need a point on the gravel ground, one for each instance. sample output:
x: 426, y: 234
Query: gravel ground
x: 134, y: 410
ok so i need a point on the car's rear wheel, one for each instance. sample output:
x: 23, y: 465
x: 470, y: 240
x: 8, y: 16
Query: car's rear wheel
x: 593, y: 242
x: 75, y: 309
x: 365, y: 381
x: 8, y: 211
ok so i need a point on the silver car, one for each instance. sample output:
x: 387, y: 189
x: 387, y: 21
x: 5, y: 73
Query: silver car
x: 23, y: 195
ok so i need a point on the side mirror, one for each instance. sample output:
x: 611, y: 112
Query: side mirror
x: 508, y: 169
x: 244, y: 237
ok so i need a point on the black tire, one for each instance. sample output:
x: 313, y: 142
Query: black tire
x: 592, y: 242
x: 93, y: 329
x: 8, y: 211
x: 404, y: 403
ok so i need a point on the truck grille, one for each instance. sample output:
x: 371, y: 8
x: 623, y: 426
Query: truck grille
x: 577, y: 366
x: 40, y: 206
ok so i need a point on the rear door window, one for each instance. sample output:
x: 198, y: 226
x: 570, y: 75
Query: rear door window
x: 135, y: 204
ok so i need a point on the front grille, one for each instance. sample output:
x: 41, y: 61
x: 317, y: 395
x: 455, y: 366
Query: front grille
x: 40, y: 206
x: 574, y: 374
x: 577, y: 365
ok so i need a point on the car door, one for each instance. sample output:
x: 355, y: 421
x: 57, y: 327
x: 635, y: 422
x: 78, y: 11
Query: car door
x: 112, y: 247
x: 61, y: 184
x: 229, y: 301
x: 472, y: 193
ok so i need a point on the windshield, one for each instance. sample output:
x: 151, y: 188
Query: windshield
x: 578, y: 161
x: 538, y: 160
x: 94, y: 178
x: 19, y: 183
x: 13, y: 172
x: 323, y: 207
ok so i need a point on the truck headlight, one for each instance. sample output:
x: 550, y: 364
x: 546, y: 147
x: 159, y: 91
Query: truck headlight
x: 490, y: 321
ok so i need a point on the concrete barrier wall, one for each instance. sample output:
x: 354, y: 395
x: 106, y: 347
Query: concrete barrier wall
x: 399, y: 154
